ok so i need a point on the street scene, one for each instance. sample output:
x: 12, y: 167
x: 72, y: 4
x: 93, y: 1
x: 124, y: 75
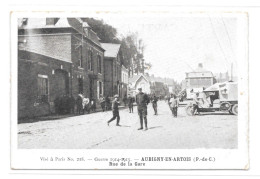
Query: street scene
x: 214, y: 130
x: 127, y: 83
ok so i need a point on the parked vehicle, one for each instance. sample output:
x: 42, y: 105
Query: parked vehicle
x: 218, y: 97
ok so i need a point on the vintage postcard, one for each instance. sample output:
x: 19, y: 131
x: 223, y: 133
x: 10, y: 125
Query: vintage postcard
x: 129, y: 90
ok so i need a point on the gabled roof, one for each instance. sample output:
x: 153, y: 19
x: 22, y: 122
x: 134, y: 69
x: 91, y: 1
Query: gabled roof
x: 38, y: 23
x: 75, y: 23
x: 135, y: 78
x: 111, y: 50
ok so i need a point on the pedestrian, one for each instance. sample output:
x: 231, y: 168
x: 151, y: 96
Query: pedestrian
x: 115, y: 111
x: 79, y: 103
x: 107, y: 100
x: 125, y: 100
x: 93, y: 105
x: 154, y: 102
x: 71, y: 104
x: 142, y: 101
x: 130, y: 103
x: 174, y: 105
x: 102, y: 103
x: 86, y: 105
x: 196, y: 103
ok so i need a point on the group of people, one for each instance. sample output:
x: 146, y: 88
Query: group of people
x: 67, y: 104
x: 142, y: 100
x: 64, y: 104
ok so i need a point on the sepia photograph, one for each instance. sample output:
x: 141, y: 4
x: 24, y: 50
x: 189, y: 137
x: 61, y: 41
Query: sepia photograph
x: 131, y: 82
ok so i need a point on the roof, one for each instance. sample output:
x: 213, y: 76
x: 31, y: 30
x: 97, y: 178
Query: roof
x: 168, y: 81
x: 46, y: 55
x: 111, y: 50
x: 214, y: 87
x: 38, y: 23
x: 75, y: 23
x: 135, y: 78
x: 43, y: 46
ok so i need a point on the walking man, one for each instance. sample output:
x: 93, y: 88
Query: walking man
x: 115, y: 111
x: 154, y: 102
x: 142, y: 100
x: 130, y: 103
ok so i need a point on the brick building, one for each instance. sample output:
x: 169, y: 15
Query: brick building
x: 112, y: 70
x: 56, y: 56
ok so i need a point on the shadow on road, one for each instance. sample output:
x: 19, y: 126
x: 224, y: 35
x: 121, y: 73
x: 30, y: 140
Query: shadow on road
x: 215, y: 113
x: 155, y: 127
x: 124, y: 126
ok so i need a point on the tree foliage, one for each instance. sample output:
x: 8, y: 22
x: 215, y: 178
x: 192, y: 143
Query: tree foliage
x: 132, y: 47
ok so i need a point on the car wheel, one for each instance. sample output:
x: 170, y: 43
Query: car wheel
x: 235, y: 109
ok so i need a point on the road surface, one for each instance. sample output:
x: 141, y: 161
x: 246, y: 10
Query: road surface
x: 90, y: 131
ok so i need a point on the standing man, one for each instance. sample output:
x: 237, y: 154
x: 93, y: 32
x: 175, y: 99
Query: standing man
x: 102, y: 103
x: 130, y: 103
x: 174, y: 103
x: 154, y: 102
x: 196, y: 103
x: 142, y: 100
x: 115, y: 111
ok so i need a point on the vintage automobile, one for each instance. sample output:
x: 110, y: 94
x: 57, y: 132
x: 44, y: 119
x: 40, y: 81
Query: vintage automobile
x: 218, y: 97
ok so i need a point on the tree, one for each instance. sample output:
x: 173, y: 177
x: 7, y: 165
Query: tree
x: 132, y: 46
x: 105, y: 32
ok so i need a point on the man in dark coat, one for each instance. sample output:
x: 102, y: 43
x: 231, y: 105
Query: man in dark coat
x: 115, y: 111
x: 130, y: 103
x: 154, y: 102
x: 102, y: 103
x: 142, y: 100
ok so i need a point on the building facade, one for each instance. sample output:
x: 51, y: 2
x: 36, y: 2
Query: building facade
x: 112, y: 69
x: 57, y: 56
x: 124, y: 81
x: 198, y: 80
x: 139, y: 81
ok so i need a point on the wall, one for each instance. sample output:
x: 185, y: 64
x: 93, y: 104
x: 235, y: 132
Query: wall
x: 108, y: 77
x: 29, y: 66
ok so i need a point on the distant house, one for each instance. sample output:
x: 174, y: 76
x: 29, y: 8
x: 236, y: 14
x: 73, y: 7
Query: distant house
x: 139, y: 81
x: 56, y: 57
x: 197, y: 80
x: 112, y: 69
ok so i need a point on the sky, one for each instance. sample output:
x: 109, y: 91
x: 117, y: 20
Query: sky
x: 175, y: 45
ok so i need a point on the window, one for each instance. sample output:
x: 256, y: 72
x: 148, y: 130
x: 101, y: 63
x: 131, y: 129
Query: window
x: 90, y: 61
x: 99, y: 64
x: 99, y: 88
x: 80, y: 82
x: 43, y: 92
x: 80, y: 57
